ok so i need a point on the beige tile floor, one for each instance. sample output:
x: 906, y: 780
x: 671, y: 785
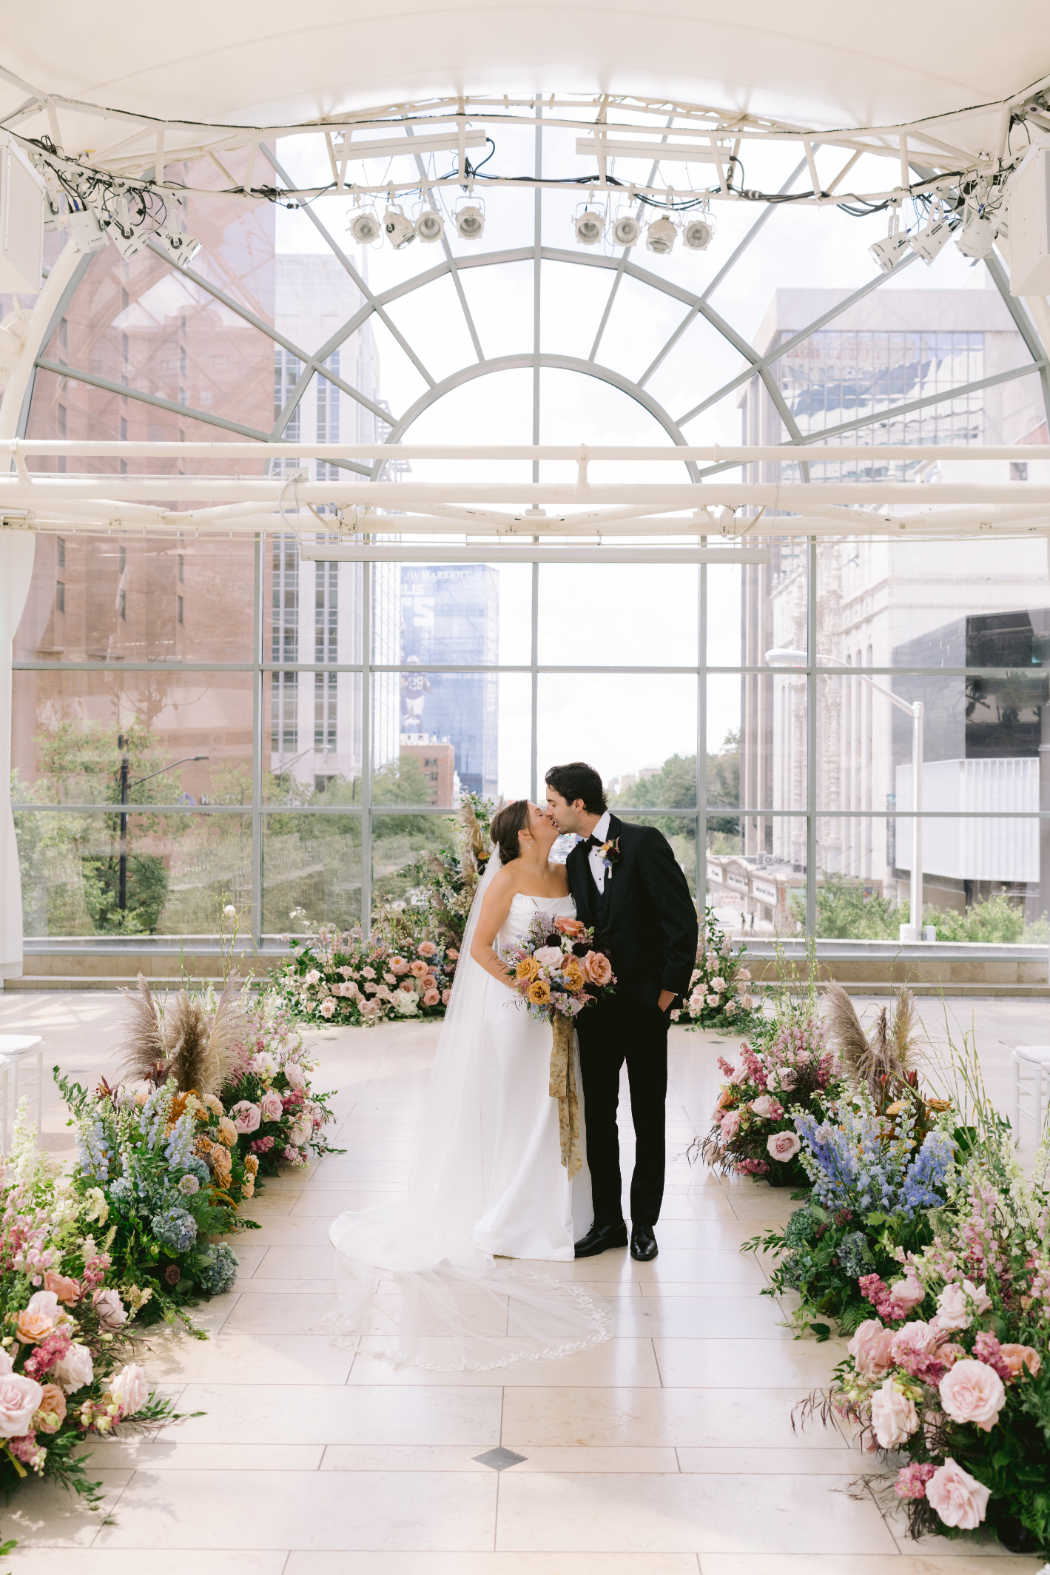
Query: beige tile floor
x: 668, y: 1450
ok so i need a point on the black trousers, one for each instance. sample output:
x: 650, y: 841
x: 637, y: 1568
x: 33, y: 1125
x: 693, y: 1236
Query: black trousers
x: 612, y: 1032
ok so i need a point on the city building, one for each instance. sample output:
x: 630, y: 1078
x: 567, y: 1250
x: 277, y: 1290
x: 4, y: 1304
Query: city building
x: 450, y: 617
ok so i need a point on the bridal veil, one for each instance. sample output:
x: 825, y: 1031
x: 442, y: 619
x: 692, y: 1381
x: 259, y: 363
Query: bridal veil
x: 408, y: 1271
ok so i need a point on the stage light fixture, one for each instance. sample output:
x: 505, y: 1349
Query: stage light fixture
x: 626, y: 230
x: 698, y: 234
x: 470, y: 221
x: 929, y: 241
x: 661, y: 236
x: 889, y: 252
x: 399, y: 231
x: 364, y: 226
x: 85, y: 231
x: 977, y: 235
x: 590, y: 226
x: 180, y: 249
x: 429, y: 226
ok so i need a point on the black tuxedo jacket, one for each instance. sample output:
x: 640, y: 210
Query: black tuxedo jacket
x: 645, y: 917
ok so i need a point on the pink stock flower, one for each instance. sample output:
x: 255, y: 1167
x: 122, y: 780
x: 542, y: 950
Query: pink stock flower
x: 871, y: 1349
x: 916, y: 1337
x: 959, y: 1499
x: 262, y: 1145
x: 49, y: 1353
x: 973, y: 1392
x: 912, y: 1479
x: 893, y: 1415
x: 752, y: 1167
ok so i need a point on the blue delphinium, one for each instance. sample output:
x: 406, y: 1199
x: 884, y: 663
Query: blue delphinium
x: 179, y: 1147
x: 95, y: 1149
x: 217, y: 1269
x: 927, y: 1173
x: 175, y: 1229
x: 854, y: 1164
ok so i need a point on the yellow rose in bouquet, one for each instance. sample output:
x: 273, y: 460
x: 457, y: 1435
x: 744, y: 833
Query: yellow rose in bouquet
x: 538, y: 993
x: 528, y: 969
x: 573, y: 974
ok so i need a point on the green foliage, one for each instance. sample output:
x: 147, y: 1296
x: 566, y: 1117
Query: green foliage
x: 674, y: 787
x: 147, y: 891
x: 845, y: 911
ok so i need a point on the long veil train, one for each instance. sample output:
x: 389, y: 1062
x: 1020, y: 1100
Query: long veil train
x: 409, y: 1268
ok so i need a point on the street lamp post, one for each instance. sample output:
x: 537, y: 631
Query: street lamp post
x: 124, y: 744
x: 789, y: 658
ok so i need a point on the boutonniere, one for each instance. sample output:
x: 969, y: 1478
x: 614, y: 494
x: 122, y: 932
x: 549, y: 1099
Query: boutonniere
x: 609, y: 853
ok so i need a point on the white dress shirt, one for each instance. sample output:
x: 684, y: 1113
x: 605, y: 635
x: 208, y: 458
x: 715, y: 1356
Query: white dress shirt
x: 594, y: 855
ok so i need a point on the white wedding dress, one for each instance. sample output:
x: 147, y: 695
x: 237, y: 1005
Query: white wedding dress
x: 450, y: 1274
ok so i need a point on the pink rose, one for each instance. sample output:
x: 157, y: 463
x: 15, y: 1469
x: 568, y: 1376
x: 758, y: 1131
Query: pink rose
x: 399, y: 964
x: 51, y: 1412
x: 783, y: 1146
x: 110, y: 1308
x: 597, y: 967
x: 19, y: 1398
x: 730, y: 1125
x: 712, y: 1000
x: 418, y: 967
x: 1018, y: 1357
x: 271, y: 1106
x: 549, y: 956
x: 893, y: 1415
x: 427, y: 949
x: 919, y: 1337
x: 959, y: 1499
x: 246, y: 1116
x: 67, y: 1291
x: 445, y: 994
x: 313, y: 977
x: 327, y: 1007
x: 958, y: 1305
x: 871, y: 1349
x: 908, y: 1293
x: 428, y: 981
x: 432, y: 997
x: 129, y: 1389
x: 973, y: 1392
x: 368, y: 973
x: 452, y: 952
x: 718, y: 984
x: 406, y: 984
x: 75, y: 1369
x: 295, y: 1075
x: 767, y: 1107
x: 743, y: 976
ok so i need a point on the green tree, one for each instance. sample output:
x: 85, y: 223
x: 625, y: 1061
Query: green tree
x: 674, y: 787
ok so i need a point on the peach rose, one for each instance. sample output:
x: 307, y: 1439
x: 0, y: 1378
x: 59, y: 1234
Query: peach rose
x: 427, y: 949
x: 452, y: 952
x: 37, y: 1319
x: 598, y: 968
x: 959, y: 1499
x: 19, y: 1398
x: 445, y: 997
x: 527, y: 970
x: 1018, y: 1357
x: 872, y: 1348
x: 67, y: 1291
x: 428, y: 981
x: 398, y: 965
x: 973, y: 1392
x: 51, y: 1412
x: 539, y: 992
x: 431, y: 997
x: 569, y: 926
x: 418, y: 968
x: 893, y: 1415
x: 408, y: 986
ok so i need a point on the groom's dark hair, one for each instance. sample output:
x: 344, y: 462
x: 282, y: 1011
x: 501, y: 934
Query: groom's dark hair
x: 578, y: 780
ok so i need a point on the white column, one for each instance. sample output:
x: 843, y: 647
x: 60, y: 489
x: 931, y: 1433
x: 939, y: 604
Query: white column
x: 17, y: 547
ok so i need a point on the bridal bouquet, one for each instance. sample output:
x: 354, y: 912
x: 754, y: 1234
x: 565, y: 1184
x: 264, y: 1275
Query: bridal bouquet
x: 557, y: 968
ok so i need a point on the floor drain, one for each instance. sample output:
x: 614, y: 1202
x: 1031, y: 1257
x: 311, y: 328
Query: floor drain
x: 499, y: 1459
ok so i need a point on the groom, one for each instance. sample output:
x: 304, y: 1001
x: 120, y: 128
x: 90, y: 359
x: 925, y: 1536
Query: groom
x: 627, y: 887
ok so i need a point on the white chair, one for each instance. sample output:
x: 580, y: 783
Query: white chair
x: 1031, y: 1083
x: 16, y: 1050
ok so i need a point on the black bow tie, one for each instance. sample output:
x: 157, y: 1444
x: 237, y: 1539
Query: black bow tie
x: 595, y: 842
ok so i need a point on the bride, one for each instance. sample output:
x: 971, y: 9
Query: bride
x: 441, y: 1266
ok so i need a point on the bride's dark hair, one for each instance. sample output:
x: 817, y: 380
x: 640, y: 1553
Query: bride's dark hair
x: 506, y: 826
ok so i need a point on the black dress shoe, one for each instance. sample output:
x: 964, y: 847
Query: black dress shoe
x: 599, y: 1237
x: 643, y: 1243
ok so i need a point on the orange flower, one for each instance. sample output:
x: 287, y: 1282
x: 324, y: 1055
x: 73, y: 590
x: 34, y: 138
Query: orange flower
x: 51, y: 1412
x: 527, y: 970
x: 1017, y: 1357
x: 598, y: 968
x: 539, y: 992
x: 569, y: 926
x: 573, y: 973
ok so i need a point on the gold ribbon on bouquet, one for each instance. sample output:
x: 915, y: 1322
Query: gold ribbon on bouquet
x: 563, y: 1089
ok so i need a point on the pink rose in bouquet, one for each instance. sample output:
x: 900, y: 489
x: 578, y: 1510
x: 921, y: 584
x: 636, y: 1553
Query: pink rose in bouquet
x: 110, y: 1308
x: 872, y: 1348
x: 549, y: 956
x: 908, y: 1293
x: 959, y: 1499
x: 958, y: 1305
x: 431, y: 997
x: 38, y: 1317
x: 767, y: 1107
x: 129, y: 1389
x: 730, y: 1125
x: 19, y: 1398
x: 295, y: 1074
x: 271, y: 1106
x: 427, y: 949
x: 783, y: 1146
x: 893, y: 1415
x: 597, y: 967
x: 66, y: 1290
x: 973, y: 1392
x: 246, y: 1116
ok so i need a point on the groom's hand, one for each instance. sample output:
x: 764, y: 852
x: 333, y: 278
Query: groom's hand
x: 666, y: 997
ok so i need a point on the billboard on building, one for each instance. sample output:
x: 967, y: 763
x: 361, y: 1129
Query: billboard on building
x: 450, y: 617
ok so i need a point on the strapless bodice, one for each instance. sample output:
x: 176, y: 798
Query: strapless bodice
x: 523, y: 910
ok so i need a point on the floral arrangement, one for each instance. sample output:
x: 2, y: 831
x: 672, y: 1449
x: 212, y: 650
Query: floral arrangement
x: 557, y: 969
x: 953, y: 1369
x: 754, y: 1131
x: 448, y: 878
x: 65, y: 1312
x: 334, y: 977
x: 719, y: 989
x: 268, y: 1106
x: 164, y: 1169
